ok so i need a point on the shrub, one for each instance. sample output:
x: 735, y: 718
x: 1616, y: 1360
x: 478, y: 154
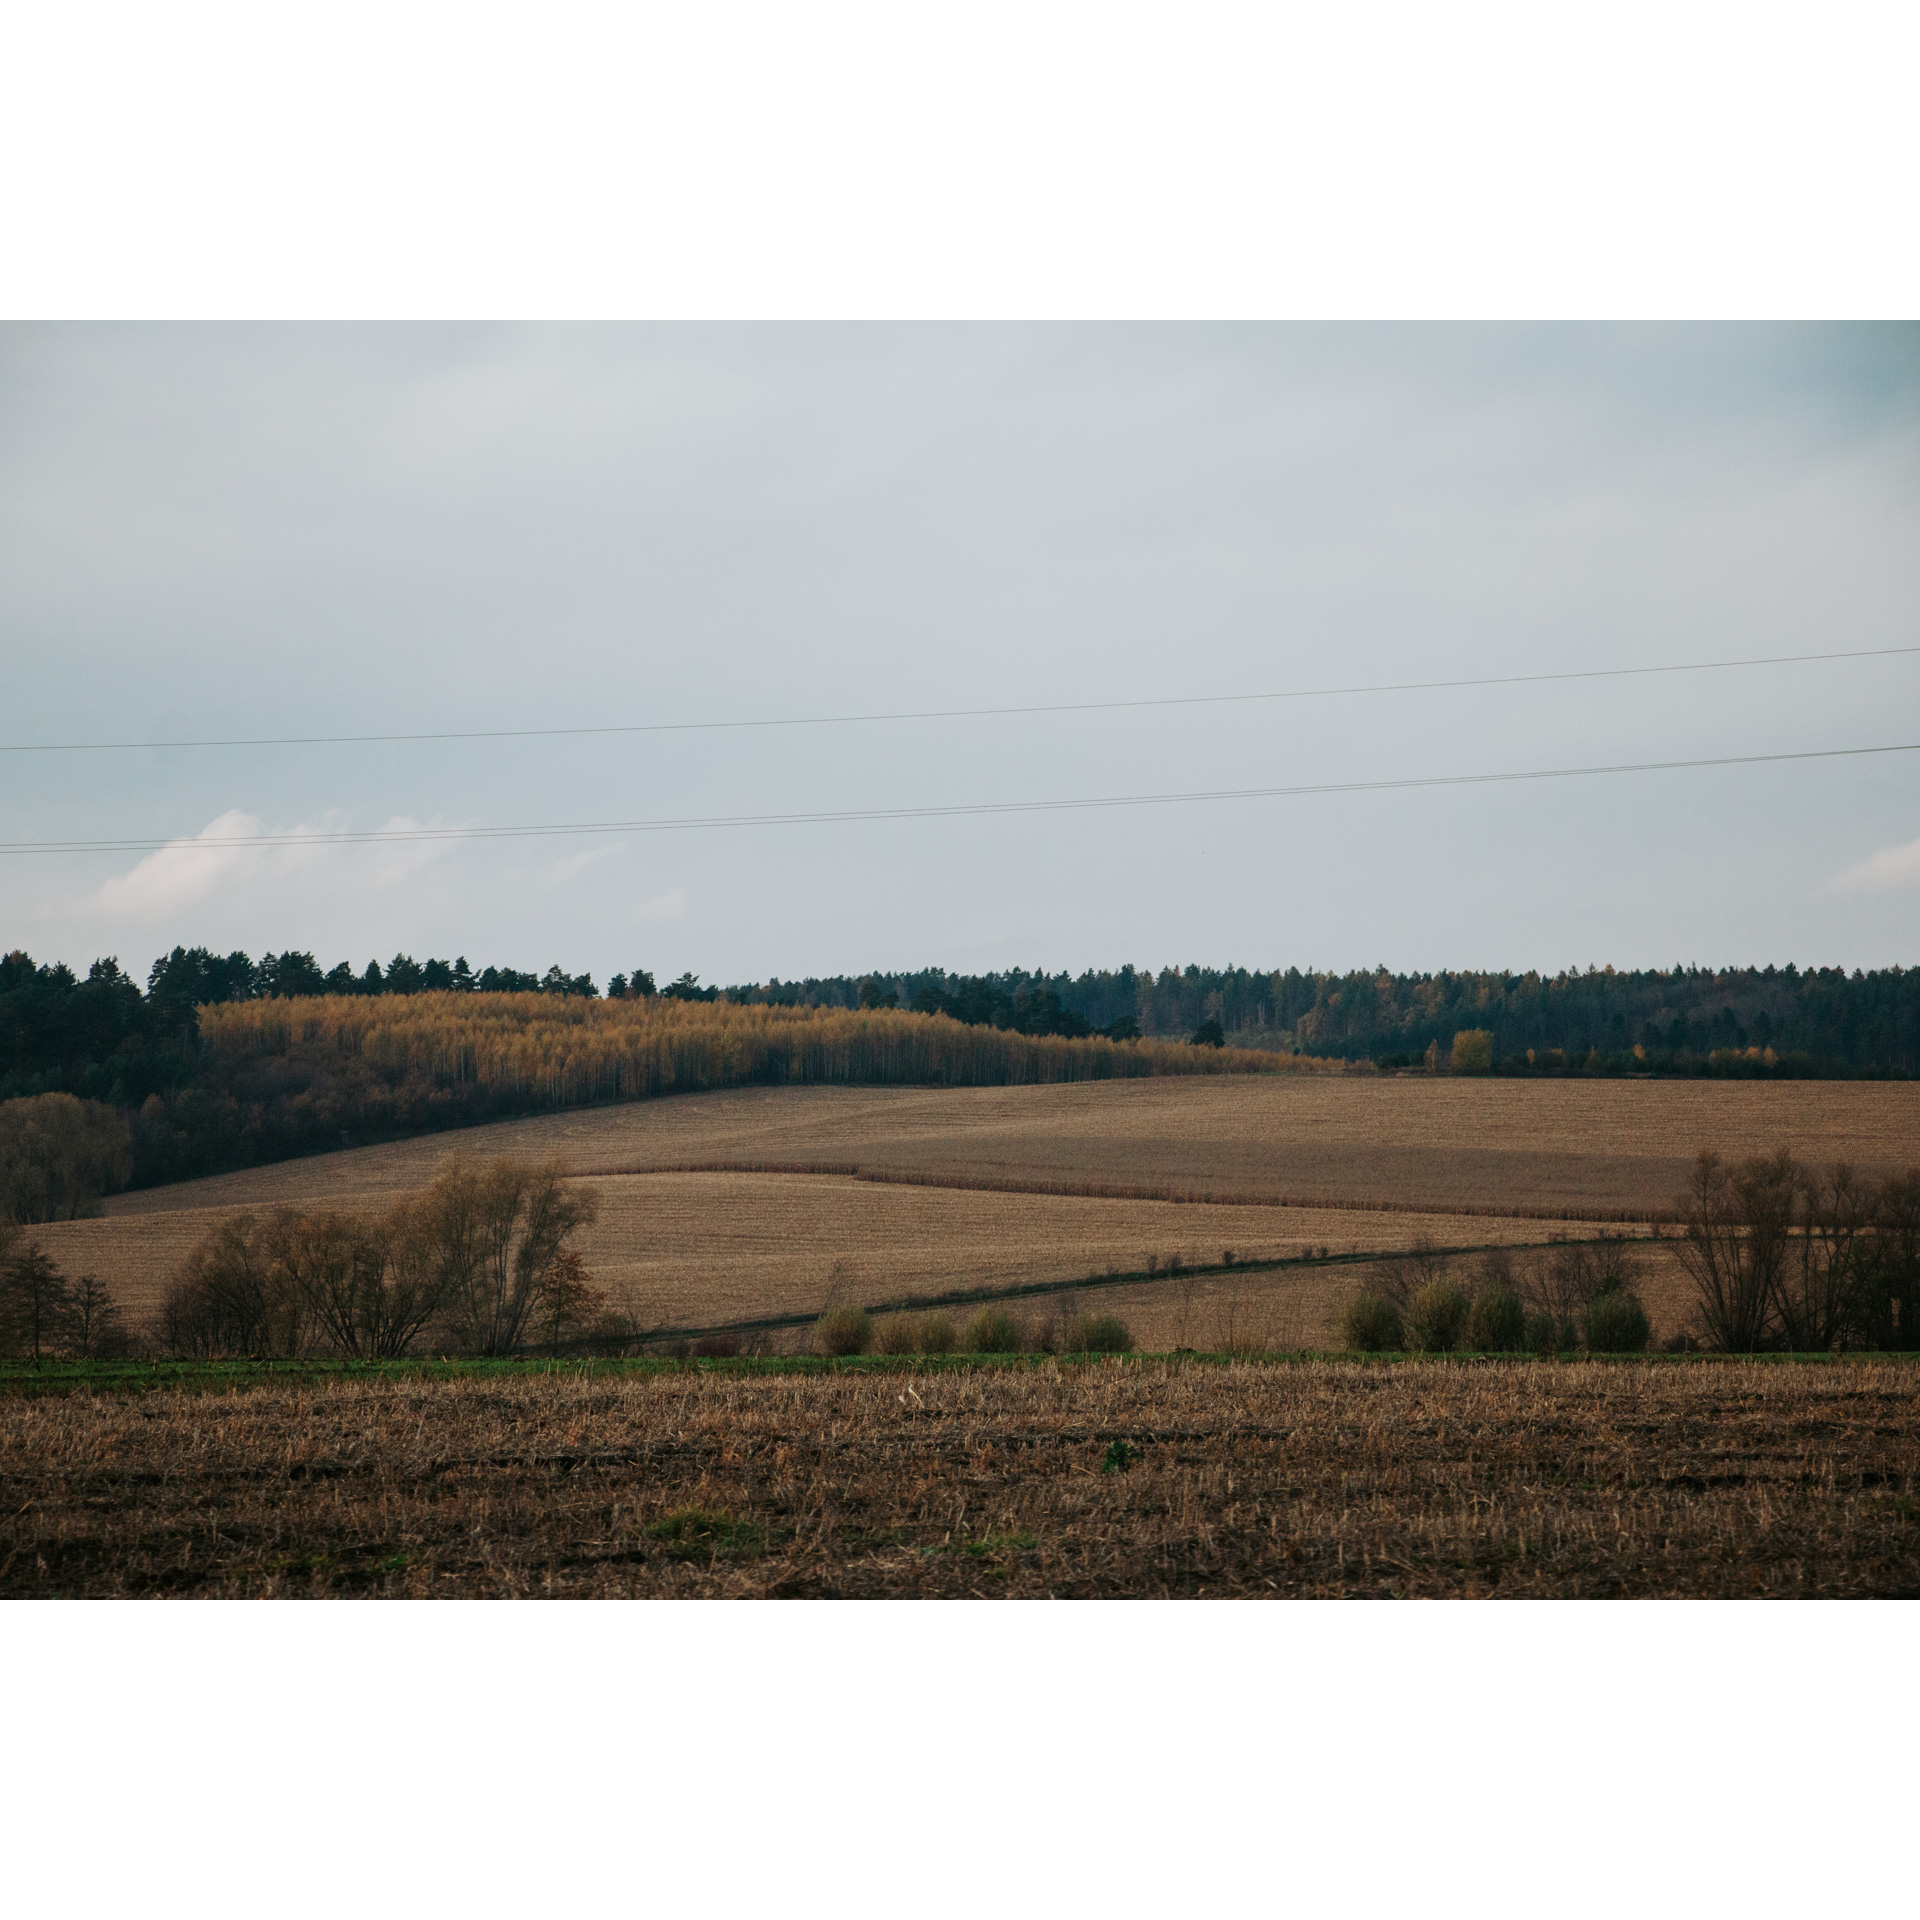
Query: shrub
x: 993, y: 1330
x: 1436, y: 1317
x: 1401, y: 1276
x: 1545, y: 1335
x: 895, y: 1333
x: 844, y: 1330
x: 1097, y: 1333
x: 936, y: 1333
x: 1370, y: 1324
x: 1496, y: 1321
x: 717, y: 1346
x: 1472, y: 1050
x: 1617, y: 1323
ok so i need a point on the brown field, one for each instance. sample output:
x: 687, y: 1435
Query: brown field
x: 1464, y: 1162
x: 1581, y: 1149
x: 1522, y: 1478
x: 693, y: 1250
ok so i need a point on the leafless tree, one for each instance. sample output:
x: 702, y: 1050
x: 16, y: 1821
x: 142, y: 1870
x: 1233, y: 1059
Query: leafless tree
x: 497, y: 1231
x: 1737, y: 1235
x: 1821, y: 1273
x: 1398, y: 1279
x: 234, y: 1296
x: 371, y: 1285
x: 1569, y: 1276
x: 1887, y: 1267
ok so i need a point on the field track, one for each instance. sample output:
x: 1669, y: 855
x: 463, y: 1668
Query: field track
x: 876, y: 1194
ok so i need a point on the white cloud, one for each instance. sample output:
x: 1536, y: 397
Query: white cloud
x: 208, y: 868
x: 576, y: 864
x: 1881, y: 872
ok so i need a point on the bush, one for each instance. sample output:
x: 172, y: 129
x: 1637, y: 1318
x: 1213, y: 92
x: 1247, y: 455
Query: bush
x: 1436, y: 1317
x: 717, y: 1346
x: 1472, y: 1050
x: 936, y: 1333
x: 895, y: 1333
x: 1547, y: 1336
x: 842, y: 1331
x: 1496, y: 1321
x: 1370, y: 1324
x: 994, y: 1330
x: 1617, y: 1323
x: 1097, y: 1333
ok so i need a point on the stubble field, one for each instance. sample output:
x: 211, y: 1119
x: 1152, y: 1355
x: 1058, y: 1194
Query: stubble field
x: 1523, y: 1478
x: 910, y: 1194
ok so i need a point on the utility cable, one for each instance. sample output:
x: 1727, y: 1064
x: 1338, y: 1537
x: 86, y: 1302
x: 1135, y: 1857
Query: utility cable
x: 947, y: 713
x: 383, y: 836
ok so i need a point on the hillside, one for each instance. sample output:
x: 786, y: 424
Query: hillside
x: 278, y: 1077
x: 752, y: 1202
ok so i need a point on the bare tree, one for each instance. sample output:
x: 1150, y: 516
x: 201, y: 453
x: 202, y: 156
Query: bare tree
x: 1737, y: 1232
x: 1887, y: 1267
x: 1398, y: 1279
x: 1565, y: 1281
x: 1820, y: 1275
x: 234, y: 1296
x: 497, y: 1231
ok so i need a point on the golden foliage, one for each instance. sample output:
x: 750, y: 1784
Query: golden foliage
x: 550, y: 1050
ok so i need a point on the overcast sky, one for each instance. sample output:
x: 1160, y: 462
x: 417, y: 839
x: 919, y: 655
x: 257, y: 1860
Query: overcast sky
x: 210, y: 531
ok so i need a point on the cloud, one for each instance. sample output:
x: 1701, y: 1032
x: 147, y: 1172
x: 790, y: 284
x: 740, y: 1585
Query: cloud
x: 1881, y: 872
x: 576, y: 864
x: 208, y: 867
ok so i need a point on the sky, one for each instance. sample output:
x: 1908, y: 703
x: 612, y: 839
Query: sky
x: 245, y: 531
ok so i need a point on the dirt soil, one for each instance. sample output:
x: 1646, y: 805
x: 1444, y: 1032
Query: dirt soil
x: 1151, y: 1478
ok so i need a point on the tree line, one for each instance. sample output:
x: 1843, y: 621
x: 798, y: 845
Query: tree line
x: 104, y: 1038
x: 276, y: 1078
x: 1752, y: 1021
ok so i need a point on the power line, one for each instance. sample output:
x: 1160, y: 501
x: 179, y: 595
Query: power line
x: 384, y: 836
x: 948, y: 713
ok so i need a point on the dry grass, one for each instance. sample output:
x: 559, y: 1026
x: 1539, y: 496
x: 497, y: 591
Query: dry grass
x: 1331, y: 1479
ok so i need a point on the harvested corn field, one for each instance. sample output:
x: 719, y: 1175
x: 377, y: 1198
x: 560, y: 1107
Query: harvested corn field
x: 1146, y: 1478
x: 914, y: 1192
x: 697, y: 1250
x: 1577, y: 1149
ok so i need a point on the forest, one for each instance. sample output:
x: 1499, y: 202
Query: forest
x: 105, y: 1038
x: 1774, y: 1021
